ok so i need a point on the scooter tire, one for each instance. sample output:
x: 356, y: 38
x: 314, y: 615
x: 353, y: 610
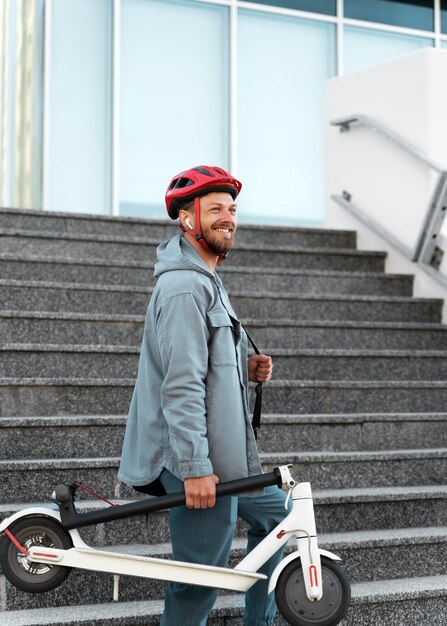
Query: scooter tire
x: 295, y: 606
x: 23, y: 573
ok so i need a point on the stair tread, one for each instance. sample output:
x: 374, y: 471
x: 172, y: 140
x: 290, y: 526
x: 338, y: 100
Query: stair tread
x: 74, y: 315
x: 273, y: 418
x: 340, y: 384
x: 393, y: 590
x: 285, y: 295
x: 118, y: 263
x: 88, y: 217
x: 144, y: 241
x: 274, y: 352
x: 266, y: 457
x: 322, y: 496
x: 328, y: 541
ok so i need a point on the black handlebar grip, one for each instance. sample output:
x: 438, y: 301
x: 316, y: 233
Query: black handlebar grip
x: 63, y: 495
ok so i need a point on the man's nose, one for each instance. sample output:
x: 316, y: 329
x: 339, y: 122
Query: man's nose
x: 230, y: 216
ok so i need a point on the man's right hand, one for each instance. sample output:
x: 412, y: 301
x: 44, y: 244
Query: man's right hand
x: 201, y: 492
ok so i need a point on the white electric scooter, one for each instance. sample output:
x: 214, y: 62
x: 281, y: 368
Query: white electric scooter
x: 42, y: 544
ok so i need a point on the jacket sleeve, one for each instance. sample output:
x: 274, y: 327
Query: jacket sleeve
x: 183, y: 338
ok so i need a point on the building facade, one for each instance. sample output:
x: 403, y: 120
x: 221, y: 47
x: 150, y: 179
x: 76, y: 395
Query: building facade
x: 102, y: 101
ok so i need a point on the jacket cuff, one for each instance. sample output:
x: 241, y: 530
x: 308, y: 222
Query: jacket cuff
x: 196, y: 469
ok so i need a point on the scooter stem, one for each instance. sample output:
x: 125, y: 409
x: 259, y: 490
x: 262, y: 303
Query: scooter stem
x: 70, y: 518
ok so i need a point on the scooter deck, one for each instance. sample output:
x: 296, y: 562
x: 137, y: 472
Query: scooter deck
x: 147, y: 567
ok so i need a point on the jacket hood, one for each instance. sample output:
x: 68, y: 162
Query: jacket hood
x: 178, y: 254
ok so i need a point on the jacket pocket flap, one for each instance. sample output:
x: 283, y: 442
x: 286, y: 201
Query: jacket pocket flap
x: 219, y: 318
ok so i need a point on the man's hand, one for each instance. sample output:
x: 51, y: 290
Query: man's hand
x: 201, y: 492
x: 260, y: 368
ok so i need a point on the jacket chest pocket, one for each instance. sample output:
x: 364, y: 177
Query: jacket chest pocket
x: 222, y: 346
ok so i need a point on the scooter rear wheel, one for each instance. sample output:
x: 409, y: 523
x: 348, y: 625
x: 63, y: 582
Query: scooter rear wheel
x: 298, y: 610
x: 16, y: 566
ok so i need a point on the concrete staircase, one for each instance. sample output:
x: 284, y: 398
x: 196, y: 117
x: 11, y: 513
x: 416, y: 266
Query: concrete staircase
x: 357, y: 404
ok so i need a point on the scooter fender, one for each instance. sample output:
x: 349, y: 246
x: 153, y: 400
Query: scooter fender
x: 34, y: 511
x: 291, y: 557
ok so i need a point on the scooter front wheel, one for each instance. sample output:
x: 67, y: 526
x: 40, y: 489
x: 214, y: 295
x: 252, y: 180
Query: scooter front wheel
x: 295, y: 606
x: 19, y: 569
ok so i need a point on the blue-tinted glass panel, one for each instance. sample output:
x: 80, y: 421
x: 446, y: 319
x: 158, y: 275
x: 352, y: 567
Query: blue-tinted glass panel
x: 327, y: 7
x: 444, y: 16
x: 174, y: 97
x: 80, y: 106
x: 411, y: 14
x: 365, y: 47
x: 283, y: 66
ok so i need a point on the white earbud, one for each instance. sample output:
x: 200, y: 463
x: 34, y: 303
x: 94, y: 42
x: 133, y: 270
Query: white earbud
x: 188, y: 223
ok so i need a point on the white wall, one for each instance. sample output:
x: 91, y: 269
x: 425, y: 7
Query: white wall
x: 409, y: 96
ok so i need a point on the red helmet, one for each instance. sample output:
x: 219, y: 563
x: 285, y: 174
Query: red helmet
x: 196, y: 182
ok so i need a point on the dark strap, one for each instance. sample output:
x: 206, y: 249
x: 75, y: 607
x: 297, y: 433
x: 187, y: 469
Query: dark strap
x: 256, y: 421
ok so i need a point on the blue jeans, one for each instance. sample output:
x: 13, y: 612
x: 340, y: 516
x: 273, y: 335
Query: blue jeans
x: 205, y: 536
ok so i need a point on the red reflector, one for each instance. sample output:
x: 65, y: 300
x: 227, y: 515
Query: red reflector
x: 313, y: 576
x: 281, y: 534
x: 46, y: 556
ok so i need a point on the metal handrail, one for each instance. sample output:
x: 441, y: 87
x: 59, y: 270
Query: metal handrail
x: 426, y: 250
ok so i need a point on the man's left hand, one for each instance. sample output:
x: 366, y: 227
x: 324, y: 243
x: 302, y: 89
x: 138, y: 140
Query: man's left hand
x: 260, y: 368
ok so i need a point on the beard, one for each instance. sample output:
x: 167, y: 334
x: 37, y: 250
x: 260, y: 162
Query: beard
x: 217, y: 244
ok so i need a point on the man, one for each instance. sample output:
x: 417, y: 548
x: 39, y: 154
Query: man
x: 189, y: 425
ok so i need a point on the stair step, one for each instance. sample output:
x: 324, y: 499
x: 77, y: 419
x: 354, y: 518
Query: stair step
x: 74, y: 328
x: 62, y: 360
x: 77, y: 246
x: 354, y: 396
x: 96, y: 328
x: 356, y: 431
x: 52, y: 361
x: 81, y: 223
x: 325, y: 470
x: 103, y: 396
x: 34, y: 295
x: 344, y: 510
x: 61, y: 269
x: 367, y: 556
x: 333, y: 334
x: 102, y: 436
x: 324, y: 364
x: 400, y: 602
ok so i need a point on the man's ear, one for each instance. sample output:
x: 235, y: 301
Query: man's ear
x: 186, y: 219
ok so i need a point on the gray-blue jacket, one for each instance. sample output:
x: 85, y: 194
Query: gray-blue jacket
x: 189, y: 410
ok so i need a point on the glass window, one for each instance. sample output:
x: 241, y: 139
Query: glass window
x: 327, y: 7
x: 444, y: 45
x: 444, y: 16
x: 283, y: 65
x: 174, y: 97
x: 365, y: 47
x: 411, y: 14
x: 80, y: 106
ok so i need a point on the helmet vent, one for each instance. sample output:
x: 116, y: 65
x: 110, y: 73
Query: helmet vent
x: 202, y: 170
x: 219, y: 171
x: 181, y: 182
